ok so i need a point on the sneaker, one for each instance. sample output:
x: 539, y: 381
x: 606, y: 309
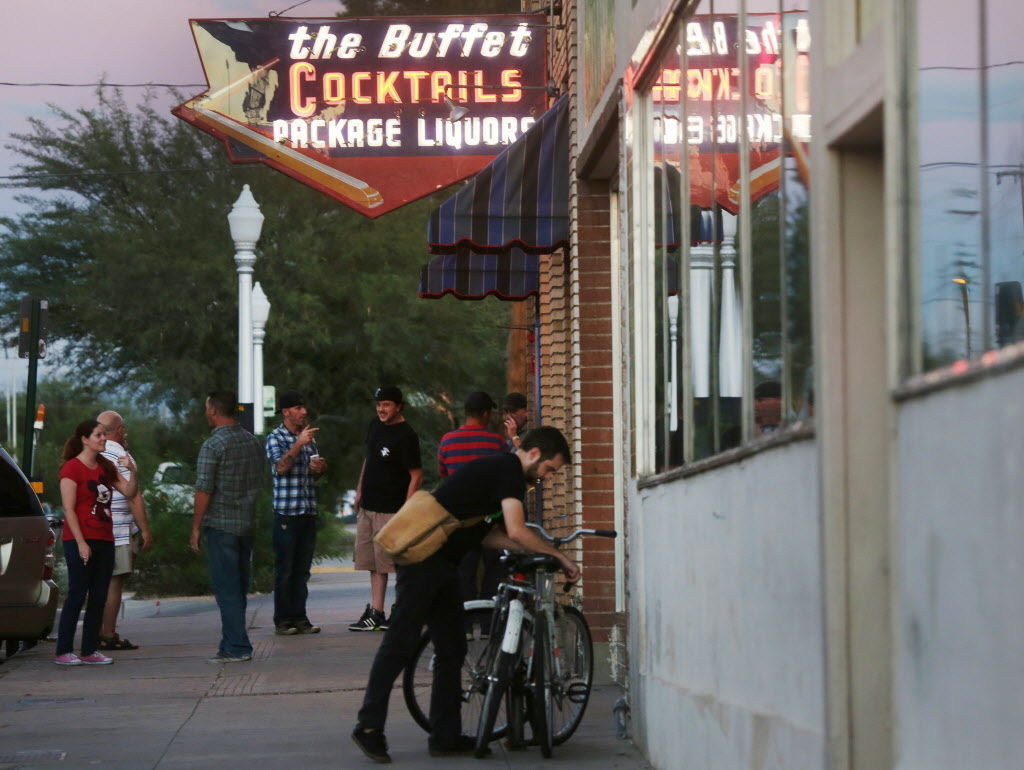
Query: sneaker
x: 372, y: 620
x: 223, y: 657
x: 305, y: 627
x: 68, y: 659
x: 96, y: 659
x: 386, y: 623
x: 358, y: 625
x: 465, y: 744
x: 285, y: 629
x: 372, y: 743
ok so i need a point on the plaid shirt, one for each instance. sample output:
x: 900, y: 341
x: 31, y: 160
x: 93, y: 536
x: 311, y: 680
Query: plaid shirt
x: 294, y: 493
x: 231, y: 469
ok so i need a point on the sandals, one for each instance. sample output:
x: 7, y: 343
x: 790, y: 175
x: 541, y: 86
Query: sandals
x: 115, y: 642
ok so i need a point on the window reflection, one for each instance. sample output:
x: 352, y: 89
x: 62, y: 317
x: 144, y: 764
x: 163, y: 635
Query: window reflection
x: 1004, y: 115
x: 725, y: 91
x: 970, y: 177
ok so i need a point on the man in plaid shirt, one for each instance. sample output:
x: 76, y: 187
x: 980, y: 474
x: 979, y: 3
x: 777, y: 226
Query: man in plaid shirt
x: 295, y: 465
x: 230, y: 472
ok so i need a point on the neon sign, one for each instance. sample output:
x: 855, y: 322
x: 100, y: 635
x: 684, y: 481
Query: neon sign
x: 357, y: 107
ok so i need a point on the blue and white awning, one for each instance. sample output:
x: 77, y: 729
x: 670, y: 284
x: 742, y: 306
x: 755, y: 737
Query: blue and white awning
x: 514, y: 209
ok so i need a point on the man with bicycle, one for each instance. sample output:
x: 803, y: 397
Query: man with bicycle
x: 429, y: 592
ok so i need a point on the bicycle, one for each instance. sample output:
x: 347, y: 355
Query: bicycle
x: 532, y: 666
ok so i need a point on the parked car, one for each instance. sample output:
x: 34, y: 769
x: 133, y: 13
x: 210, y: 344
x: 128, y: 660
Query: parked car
x: 28, y: 595
x: 174, y: 481
x: 346, y: 507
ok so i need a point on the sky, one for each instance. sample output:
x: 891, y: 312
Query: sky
x: 121, y: 41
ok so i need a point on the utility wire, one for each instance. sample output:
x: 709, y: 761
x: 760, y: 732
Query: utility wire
x: 73, y: 174
x: 112, y: 85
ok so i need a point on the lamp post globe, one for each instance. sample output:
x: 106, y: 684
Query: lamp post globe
x: 260, y: 314
x: 245, y: 222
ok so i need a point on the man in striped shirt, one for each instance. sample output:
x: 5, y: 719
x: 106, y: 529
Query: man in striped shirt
x: 129, y: 518
x: 458, y: 447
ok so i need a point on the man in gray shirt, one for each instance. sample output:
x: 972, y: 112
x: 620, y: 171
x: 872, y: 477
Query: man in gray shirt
x: 229, y: 473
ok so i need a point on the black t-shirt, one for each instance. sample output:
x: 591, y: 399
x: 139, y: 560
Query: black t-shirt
x: 477, y: 489
x: 391, y: 452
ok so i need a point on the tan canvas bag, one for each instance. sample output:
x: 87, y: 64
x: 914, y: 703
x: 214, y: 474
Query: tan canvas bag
x: 419, y: 529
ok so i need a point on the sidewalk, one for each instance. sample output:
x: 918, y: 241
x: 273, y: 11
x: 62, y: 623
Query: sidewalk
x: 162, y: 706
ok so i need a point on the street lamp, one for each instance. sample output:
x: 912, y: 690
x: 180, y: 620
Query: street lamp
x: 260, y: 313
x: 962, y: 281
x: 246, y: 222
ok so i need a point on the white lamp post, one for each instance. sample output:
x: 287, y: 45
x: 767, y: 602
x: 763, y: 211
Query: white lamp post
x: 260, y: 313
x: 246, y: 222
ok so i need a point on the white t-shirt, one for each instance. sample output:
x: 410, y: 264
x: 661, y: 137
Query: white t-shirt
x: 120, y: 512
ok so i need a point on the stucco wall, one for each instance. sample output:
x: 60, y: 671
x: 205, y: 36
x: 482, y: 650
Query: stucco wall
x: 726, y: 616
x: 960, y: 695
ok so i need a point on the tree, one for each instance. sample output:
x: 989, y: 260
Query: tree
x: 135, y: 257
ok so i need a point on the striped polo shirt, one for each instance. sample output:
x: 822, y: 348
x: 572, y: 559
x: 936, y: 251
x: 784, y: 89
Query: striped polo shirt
x: 465, y: 444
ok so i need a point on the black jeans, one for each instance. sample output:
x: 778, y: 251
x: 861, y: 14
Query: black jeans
x: 294, y: 543
x: 87, y: 584
x: 491, y: 577
x: 429, y: 593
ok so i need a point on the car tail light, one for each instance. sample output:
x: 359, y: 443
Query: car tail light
x: 48, y: 561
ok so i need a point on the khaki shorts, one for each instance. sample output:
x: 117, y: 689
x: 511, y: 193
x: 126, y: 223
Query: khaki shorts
x: 122, y: 559
x: 369, y: 555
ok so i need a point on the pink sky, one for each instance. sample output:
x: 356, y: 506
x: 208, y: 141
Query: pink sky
x: 123, y: 41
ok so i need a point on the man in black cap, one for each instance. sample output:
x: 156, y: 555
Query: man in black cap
x: 516, y: 415
x: 391, y: 472
x: 295, y: 465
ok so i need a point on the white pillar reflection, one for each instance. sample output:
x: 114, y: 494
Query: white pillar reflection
x: 730, y: 345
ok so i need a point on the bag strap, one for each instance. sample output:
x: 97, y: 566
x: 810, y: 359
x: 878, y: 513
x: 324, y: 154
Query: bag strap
x: 471, y: 522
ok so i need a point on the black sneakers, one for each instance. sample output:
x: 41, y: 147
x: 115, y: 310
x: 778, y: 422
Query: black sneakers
x: 372, y: 620
x: 372, y: 743
x: 387, y: 621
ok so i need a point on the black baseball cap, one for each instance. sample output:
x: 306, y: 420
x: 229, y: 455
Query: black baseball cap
x: 514, y: 402
x: 388, y: 393
x: 290, y: 398
x: 479, y: 402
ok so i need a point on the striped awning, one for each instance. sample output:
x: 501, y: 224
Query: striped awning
x: 519, y: 200
x: 466, y: 275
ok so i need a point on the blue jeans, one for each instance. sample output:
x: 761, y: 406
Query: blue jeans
x: 87, y: 584
x: 228, y: 557
x: 294, y: 541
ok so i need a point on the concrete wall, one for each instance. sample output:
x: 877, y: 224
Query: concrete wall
x: 960, y: 696
x: 726, y: 630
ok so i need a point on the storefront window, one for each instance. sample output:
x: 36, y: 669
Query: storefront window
x: 970, y: 85
x: 730, y: 114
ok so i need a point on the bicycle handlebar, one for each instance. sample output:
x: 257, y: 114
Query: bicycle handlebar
x: 569, y: 538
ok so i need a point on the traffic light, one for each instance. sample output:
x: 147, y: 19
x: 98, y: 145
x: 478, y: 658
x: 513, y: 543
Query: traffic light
x: 25, y: 324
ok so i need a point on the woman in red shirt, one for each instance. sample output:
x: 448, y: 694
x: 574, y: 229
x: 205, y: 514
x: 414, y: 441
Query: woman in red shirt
x: 87, y: 480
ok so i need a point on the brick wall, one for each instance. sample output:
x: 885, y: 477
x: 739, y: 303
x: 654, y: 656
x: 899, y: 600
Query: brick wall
x: 576, y: 362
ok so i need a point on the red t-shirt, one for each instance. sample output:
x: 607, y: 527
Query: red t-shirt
x: 92, y: 500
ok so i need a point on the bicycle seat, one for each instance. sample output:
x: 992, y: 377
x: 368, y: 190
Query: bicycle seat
x: 531, y: 561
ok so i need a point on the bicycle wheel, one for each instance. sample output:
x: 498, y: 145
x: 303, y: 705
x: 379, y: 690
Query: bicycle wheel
x: 504, y: 666
x: 541, y: 707
x: 419, y: 675
x: 574, y: 674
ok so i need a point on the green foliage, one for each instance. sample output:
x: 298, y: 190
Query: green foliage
x: 135, y: 257
x: 172, y: 569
